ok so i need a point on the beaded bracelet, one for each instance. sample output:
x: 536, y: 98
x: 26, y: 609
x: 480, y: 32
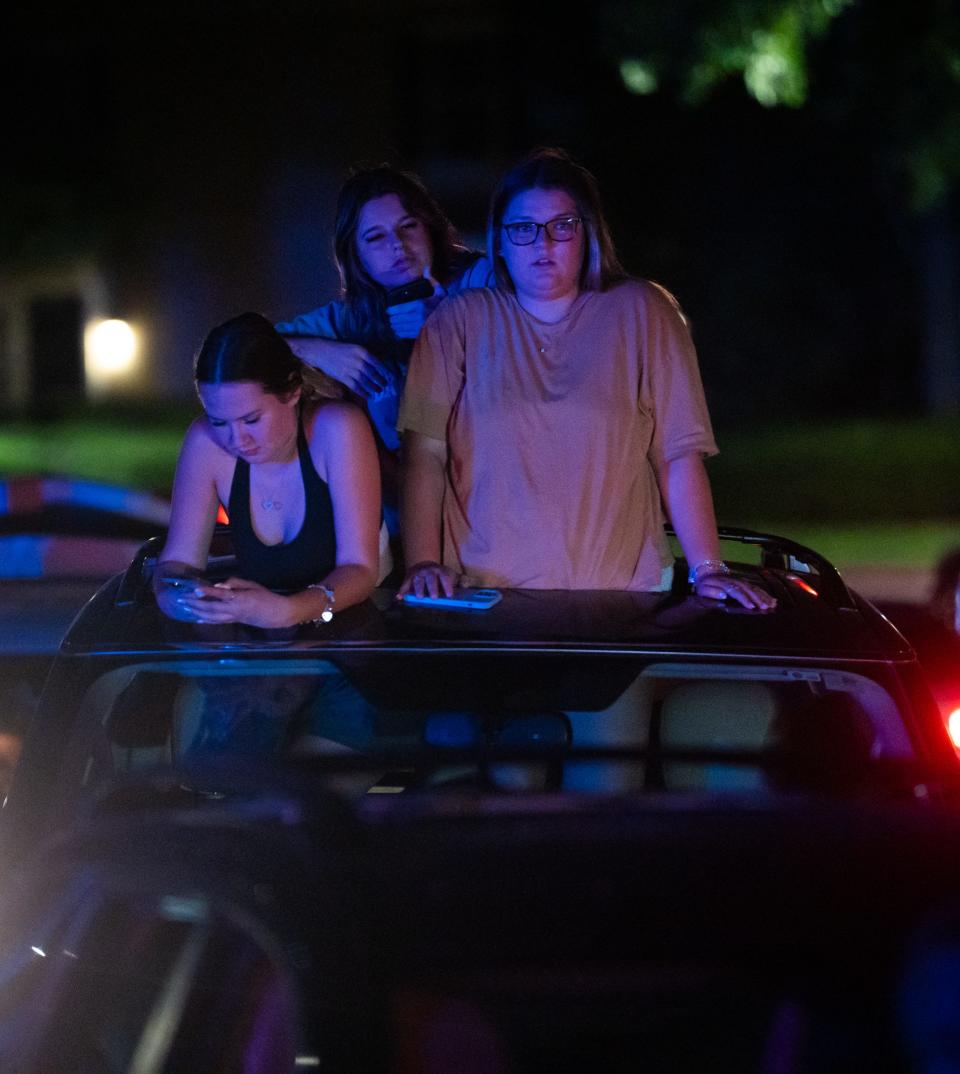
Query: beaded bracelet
x: 327, y: 614
x: 706, y: 566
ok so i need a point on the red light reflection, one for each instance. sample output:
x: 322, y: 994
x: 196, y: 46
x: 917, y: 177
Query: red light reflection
x: 801, y: 584
x: 953, y: 727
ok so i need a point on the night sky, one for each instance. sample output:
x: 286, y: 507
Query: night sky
x: 194, y: 153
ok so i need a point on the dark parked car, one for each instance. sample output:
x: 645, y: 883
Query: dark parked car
x: 576, y: 831
x: 60, y: 539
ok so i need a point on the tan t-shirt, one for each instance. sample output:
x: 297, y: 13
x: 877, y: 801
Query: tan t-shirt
x: 553, y: 433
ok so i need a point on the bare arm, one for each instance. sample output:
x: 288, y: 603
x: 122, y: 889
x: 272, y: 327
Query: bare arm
x: 353, y: 475
x: 193, y: 516
x: 348, y: 363
x: 686, y: 494
x: 685, y: 489
x: 421, y: 503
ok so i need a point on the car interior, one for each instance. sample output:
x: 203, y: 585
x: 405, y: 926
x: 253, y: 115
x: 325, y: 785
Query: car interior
x: 676, y: 728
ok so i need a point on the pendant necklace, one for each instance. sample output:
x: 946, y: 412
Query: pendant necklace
x: 548, y: 334
x: 270, y: 503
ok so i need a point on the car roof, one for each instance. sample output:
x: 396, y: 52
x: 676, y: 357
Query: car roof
x: 817, y: 616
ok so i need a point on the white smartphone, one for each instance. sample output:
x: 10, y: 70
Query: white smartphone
x: 183, y: 584
x: 462, y: 599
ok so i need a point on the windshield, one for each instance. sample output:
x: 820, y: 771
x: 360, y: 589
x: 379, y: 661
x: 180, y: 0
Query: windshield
x: 601, y: 723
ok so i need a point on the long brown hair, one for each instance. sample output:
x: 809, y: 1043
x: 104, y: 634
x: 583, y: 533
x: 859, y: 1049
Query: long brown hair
x: 364, y: 294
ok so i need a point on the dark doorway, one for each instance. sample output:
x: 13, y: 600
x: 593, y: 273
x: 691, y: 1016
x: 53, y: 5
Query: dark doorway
x: 6, y: 379
x: 56, y: 369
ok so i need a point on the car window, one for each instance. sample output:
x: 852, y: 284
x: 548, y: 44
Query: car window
x: 763, y: 728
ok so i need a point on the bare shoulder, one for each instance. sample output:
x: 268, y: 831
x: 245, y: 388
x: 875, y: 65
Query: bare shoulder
x: 336, y: 431
x: 201, y: 453
x: 333, y: 418
x: 332, y: 425
x: 199, y: 442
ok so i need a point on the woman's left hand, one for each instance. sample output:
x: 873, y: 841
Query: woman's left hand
x: 238, y: 600
x: 721, y: 586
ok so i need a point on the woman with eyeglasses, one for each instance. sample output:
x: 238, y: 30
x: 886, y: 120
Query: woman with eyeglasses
x: 390, y: 233
x: 551, y: 423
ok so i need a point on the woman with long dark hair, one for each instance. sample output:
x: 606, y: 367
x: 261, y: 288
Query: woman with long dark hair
x: 389, y: 233
x: 298, y: 474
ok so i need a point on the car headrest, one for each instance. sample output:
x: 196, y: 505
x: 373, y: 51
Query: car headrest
x: 725, y: 714
x: 140, y: 716
x: 825, y: 744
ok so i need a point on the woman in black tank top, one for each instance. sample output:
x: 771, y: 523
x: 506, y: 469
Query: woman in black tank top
x: 310, y: 555
x: 300, y: 476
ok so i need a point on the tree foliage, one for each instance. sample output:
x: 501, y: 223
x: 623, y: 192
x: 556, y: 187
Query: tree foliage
x: 891, y: 67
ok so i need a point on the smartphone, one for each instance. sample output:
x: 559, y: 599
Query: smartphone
x: 181, y: 584
x: 462, y: 600
x: 409, y: 292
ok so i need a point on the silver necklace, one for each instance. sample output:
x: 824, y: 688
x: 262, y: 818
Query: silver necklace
x: 548, y: 334
x: 271, y: 504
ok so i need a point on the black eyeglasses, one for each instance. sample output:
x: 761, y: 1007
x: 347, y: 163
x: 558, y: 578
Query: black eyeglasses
x: 526, y: 232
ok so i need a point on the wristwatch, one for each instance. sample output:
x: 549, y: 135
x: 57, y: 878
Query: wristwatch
x: 327, y: 614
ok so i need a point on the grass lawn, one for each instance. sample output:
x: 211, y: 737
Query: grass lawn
x: 881, y: 470
x: 139, y: 454
x: 904, y: 545
x: 881, y: 492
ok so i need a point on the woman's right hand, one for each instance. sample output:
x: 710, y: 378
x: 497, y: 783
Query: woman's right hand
x: 429, y: 579
x: 171, y: 600
x: 408, y: 318
x: 349, y: 363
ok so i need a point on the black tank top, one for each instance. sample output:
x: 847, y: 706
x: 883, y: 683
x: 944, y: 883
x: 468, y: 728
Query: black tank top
x: 310, y: 556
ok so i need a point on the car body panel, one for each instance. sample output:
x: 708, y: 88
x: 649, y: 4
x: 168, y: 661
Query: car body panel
x: 675, y: 924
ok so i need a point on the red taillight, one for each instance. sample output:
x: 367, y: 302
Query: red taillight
x: 953, y: 727
x: 222, y: 516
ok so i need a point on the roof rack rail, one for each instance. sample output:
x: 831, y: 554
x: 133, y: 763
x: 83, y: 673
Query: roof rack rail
x: 776, y: 553
x: 135, y: 586
x: 136, y: 578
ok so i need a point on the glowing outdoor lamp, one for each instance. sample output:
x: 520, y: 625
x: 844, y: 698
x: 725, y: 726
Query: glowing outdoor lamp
x: 111, y: 348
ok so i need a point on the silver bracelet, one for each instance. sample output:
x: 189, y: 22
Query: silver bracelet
x: 327, y: 614
x: 707, y: 566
